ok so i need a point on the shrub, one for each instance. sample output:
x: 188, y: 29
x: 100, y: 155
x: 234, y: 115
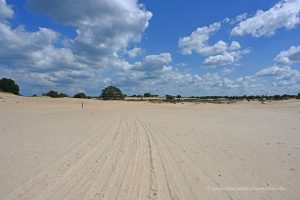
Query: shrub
x: 9, y: 85
x: 80, y: 96
x: 112, y: 93
x: 179, y: 97
x: 147, y: 94
x: 55, y: 94
x: 169, y: 97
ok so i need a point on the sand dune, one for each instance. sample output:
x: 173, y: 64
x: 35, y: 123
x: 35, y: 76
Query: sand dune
x: 54, y: 149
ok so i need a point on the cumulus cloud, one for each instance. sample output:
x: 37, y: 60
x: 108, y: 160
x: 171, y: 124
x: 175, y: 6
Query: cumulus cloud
x: 19, y: 46
x: 284, y: 14
x: 227, y: 57
x: 198, y: 41
x: 220, y: 53
x: 134, y: 52
x: 239, y: 18
x: 282, y: 72
x: 222, y: 59
x: 34, y: 51
x: 153, y: 62
x: 155, y: 74
x: 290, y: 56
x: 5, y: 11
x: 284, y: 76
x: 234, y: 46
x: 91, y: 59
x: 151, y: 67
x: 152, y: 73
x: 103, y: 27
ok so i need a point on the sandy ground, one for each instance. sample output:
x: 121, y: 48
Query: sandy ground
x: 54, y: 149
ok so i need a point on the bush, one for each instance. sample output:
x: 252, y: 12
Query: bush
x: 179, y: 97
x: 112, y: 93
x: 80, y: 96
x: 169, y: 97
x: 9, y: 85
x: 147, y: 94
x: 55, y: 94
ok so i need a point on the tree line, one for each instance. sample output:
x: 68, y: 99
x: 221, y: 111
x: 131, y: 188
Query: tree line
x: 114, y: 93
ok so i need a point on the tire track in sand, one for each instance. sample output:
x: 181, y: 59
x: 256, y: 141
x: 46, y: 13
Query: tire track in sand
x: 189, y: 168
x: 129, y: 158
x: 47, y: 179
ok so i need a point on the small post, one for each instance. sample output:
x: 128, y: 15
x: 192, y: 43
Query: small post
x: 82, y: 105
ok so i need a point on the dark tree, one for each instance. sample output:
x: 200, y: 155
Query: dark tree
x: 179, y: 97
x: 147, y: 94
x: 169, y: 97
x: 9, y: 85
x: 55, y: 94
x: 112, y: 93
x: 80, y: 96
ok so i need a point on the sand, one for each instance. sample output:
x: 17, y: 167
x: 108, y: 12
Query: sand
x: 54, y: 149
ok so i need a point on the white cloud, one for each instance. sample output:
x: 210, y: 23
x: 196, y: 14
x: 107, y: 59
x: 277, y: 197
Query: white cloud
x: 18, y: 46
x: 235, y: 20
x: 285, y: 14
x: 20, y: 38
x: 239, y: 18
x: 153, y: 62
x: 103, y: 27
x: 134, y: 52
x: 285, y: 72
x: 234, y: 46
x: 156, y: 75
x: 222, y: 59
x: 284, y: 76
x: 49, y: 57
x: 5, y: 10
x: 220, y: 53
x: 227, y: 57
x: 290, y: 56
x: 40, y: 60
x: 197, y: 41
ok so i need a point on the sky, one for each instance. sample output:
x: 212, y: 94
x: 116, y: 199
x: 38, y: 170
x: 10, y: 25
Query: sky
x: 191, y: 48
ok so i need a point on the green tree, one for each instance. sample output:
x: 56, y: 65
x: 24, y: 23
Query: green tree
x: 169, y: 97
x: 80, y: 96
x: 147, y: 94
x: 9, y: 85
x: 112, y: 93
x: 179, y: 97
x: 55, y: 94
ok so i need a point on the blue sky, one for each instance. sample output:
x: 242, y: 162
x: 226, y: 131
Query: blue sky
x: 176, y: 47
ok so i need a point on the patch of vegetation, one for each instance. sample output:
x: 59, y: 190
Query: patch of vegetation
x: 171, y: 99
x: 178, y: 97
x: 112, y: 93
x: 80, y: 96
x: 147, y: 94
x: 9, y: 85
x: 55, y: 94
